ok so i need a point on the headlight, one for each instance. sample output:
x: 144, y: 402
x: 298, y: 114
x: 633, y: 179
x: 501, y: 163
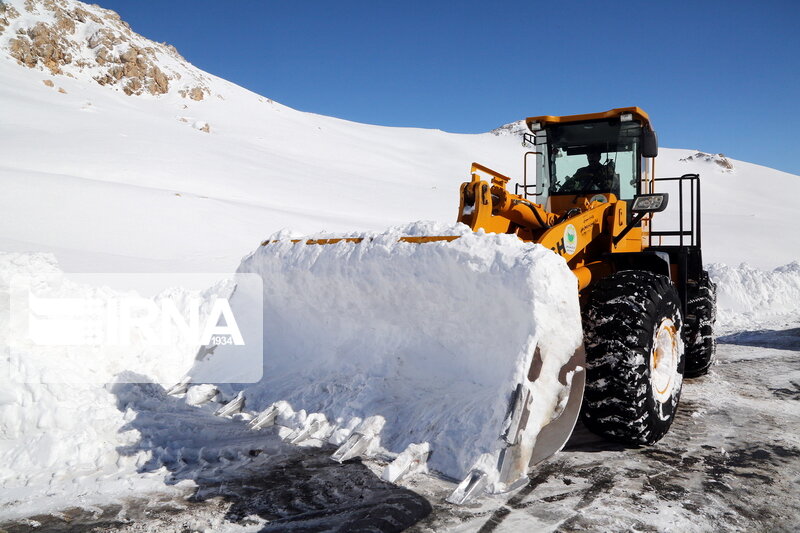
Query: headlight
x: 650, y: 203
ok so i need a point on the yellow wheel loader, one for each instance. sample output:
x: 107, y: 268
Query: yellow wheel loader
x: 598, y: 217
x: 578, y: 306
x: 648, y: 307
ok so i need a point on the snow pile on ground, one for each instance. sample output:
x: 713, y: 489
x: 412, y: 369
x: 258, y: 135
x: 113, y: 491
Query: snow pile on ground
x: 59, y: 442
x: 749, y: 298
x: 434, y: 338
x: 65, y: 432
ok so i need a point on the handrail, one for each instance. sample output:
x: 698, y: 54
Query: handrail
x: 525, y: 176
x: 693, y: 231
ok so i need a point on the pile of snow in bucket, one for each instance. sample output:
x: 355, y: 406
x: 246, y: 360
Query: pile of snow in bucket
x: 429, y: 339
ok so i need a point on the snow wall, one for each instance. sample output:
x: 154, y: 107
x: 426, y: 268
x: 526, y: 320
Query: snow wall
x: 59, y: 441
x: 67, y: 431
x: 750, y: 298
x: 433, y: 337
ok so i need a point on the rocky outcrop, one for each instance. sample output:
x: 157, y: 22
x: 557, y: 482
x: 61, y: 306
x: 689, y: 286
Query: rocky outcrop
x: 195, y: 93
x: 723, y: 162
x: 135, y: 69
x: 41, y: 44
x: 517, y: 128
x: 75, y: 39
x: 7, y: 14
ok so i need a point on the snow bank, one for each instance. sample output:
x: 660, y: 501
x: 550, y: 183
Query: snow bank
x: 59, y: 442
x: 433, y: 337
x: 749, y: 298
x: 67, y: 435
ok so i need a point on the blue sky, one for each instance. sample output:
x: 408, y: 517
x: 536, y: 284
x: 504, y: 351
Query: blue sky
x: 714, y: 76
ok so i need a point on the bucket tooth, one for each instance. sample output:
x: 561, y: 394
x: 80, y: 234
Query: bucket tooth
x: 354, y: 446
x: 232, y: 407
x: 313, y: 424
x: 181, y: 387
x: 413, y: 458
x: 513, y: 466
x: 360, y: 440
x: 472, y: 487
x: 341, y: 432
x: 265, y: 418
x: 520, y: 411
x: 198, y: 395
x: 302, y: 434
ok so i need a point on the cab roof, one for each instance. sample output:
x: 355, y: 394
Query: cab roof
x: 637, y: 112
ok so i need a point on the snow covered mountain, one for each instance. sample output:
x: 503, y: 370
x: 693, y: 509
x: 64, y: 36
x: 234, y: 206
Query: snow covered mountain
x: 192, y: 172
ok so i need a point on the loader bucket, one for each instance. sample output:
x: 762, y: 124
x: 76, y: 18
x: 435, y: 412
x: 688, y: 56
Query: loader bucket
x: 471, y: 343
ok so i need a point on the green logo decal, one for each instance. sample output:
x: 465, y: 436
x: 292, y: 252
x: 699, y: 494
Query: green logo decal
x: 570, y: 239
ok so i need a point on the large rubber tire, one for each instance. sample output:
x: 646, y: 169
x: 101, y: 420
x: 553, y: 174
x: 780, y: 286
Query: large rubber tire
x: 634, y: 357
x: 698, y: 332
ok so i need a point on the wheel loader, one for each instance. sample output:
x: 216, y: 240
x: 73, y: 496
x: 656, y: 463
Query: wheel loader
x: 620, y: 311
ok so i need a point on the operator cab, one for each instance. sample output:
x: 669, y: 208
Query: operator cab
x: 590, y: 157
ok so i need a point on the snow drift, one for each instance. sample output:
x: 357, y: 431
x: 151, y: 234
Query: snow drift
x: 59, y: 441
x: 432, y: 337
x: 66, y: 432
x: 749, y: 298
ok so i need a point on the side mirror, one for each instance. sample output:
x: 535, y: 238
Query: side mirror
x: 649, y: 143
x: 650, y: 203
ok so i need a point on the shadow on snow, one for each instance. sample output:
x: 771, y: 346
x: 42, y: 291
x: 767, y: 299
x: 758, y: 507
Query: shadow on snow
x: 293, y: 488
x: 788, y: 339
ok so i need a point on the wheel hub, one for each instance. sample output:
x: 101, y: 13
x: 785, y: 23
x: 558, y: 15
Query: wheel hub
x: 664, y: 360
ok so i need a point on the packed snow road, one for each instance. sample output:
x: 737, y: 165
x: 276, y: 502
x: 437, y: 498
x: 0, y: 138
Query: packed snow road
x: 731, y: 462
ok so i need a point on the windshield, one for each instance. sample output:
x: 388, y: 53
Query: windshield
x: 594, y: 157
